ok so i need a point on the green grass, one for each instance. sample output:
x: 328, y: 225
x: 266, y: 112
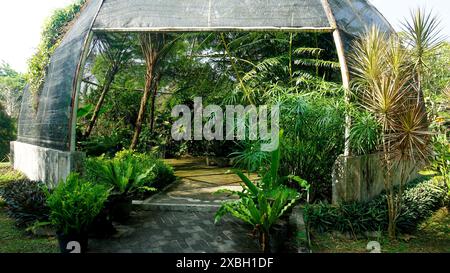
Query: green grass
x: 433, y: 236
x: 8, y: 174
x: 15, y: 240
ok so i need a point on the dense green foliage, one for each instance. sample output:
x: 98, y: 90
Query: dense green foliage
x: 365, y: 133
x: 8, y: 175
x: 75, y: 203
x: 7, y: 133
x: 25, y: 201
x: 437, y: 74
x: 262, y: 203
x: 130, y: 173
x: 420, y: 199
x: 314, y: 127
x: 12, y: 84
x: 122, y: 174
x: 296, y: 70
x: 220, y: 68
x: 52, y: 33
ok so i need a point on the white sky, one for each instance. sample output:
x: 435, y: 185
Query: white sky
x: 21, y: 22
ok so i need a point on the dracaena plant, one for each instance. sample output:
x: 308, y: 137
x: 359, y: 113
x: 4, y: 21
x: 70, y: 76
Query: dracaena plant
x: 422, y: 35
x: 385, y: 87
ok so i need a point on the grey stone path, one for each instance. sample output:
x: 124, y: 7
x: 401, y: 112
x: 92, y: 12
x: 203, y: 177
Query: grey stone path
x: 181, y: 219
x: 178, y: 232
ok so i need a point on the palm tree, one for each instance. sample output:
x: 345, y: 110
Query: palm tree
x: 155, y: 47
x: 116, y: 50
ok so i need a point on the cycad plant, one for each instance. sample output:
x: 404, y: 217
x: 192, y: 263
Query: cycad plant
x: 385, y: 86
x: 124, y: 175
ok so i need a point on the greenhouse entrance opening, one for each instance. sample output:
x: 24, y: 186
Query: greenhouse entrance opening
x: 221, y: 68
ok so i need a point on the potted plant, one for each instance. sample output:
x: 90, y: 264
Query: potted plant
x: 73, y: 206
x: 126, y: 179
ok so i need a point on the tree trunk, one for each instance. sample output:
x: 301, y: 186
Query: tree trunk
x: 153, y: 109
x: 151, y: 45
x: 143, y: 107
x: 389, y: 187
x: 110, y: 75
x: 392, y: 211
x: 264, y: 242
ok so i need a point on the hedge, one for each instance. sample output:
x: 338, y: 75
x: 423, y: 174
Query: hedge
x: 421, y: 198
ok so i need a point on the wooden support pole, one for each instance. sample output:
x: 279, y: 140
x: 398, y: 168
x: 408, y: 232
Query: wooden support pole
x: 346, y: 84
x: 340, y: 49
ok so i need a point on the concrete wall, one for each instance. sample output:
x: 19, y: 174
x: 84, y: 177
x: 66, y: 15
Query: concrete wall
x: 44, y: 164
x: 361, y: 178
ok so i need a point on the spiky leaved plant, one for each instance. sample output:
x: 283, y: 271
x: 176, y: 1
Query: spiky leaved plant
x: 385, y: 86
x: 422, y: 35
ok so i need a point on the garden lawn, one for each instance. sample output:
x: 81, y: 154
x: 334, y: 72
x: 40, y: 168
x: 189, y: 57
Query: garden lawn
x: 433, y: 236
x: 15, y: 240
x: 8, y: 174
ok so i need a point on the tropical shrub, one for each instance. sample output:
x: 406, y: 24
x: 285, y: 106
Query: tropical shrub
x: 54, y: 30
x: 99, y: 145
x: 75, y: 203
x: 250, y: 157
x: 26, y: 201
x: 263, y: 203
x: 161, y: 173
x: 421, y: 198
x: 388, y: 85
x: 122, y: 174
x: 314, y: 129
x: 259, y: 209
x: 313, y: 139
x: 365, y: 133
x: 441, y: 159
x: 7, y: 133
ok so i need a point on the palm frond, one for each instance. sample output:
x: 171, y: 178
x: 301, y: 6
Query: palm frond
x: 317, y: 63
x: 311, y: 51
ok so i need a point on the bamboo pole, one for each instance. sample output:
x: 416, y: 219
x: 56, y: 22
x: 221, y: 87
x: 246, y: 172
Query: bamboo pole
x: 337, y: 36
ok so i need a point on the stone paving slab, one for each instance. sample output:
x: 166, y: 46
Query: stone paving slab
x: 178, y: 232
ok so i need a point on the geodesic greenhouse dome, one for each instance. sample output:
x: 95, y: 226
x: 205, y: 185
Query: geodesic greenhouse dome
x: 47, y: 134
